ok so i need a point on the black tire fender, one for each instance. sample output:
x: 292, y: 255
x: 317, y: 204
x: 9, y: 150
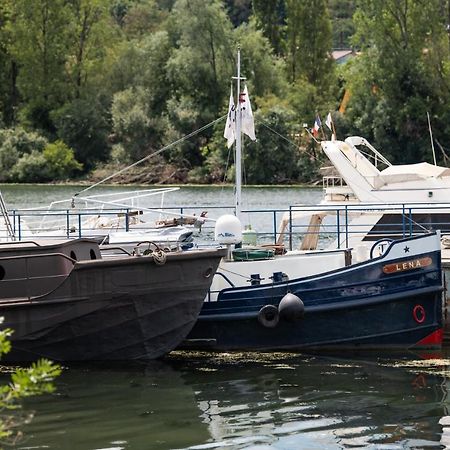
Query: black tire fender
x: 268, y: 316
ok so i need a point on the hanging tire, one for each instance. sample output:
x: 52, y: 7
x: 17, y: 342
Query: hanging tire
x: 268, y: 316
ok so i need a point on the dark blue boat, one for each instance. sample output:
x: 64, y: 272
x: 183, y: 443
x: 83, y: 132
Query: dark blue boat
x: 393, y: 301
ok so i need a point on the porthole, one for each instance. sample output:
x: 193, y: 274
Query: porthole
x: 92, y: 253
x: 73, y: 255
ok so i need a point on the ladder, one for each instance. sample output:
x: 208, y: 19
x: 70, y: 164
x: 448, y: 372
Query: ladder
x: 5, y: 215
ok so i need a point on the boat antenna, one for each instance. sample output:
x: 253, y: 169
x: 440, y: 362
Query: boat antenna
x: 238, y: 159
x: 431, y: 138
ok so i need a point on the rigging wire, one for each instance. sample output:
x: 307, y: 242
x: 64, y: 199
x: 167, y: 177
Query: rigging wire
x: 313, y: 156
x: 182, y: 139
x: 194, y: 133
x: 284, y: 138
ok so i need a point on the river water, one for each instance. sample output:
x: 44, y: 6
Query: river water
x: 215, y: 200
x: 246, y: 401
x: 30, y: 196
x: 238, y: 401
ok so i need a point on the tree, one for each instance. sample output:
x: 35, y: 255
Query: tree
x: 136, y: 129
x: 144, y: 19
x: 83, y: 124
x: 270, y: 17
x: 401, y: 75
x: 341, y: 12
x: 274, y: 158
x: 239, y: 11
x: 201, y: 64
x: 199, y: 70
x: 39, y: 43
x: 8, y: 69
x: 309, y: 40
x: 90, y: 22
x: 264, y: 71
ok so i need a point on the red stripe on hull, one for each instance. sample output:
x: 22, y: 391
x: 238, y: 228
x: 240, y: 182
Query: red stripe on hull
x: 432, y: 340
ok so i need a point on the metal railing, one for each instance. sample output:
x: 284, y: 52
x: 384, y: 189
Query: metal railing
x: 341, y: 224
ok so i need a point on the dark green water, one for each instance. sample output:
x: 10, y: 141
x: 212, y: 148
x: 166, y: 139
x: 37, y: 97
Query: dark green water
x: 246, y: 401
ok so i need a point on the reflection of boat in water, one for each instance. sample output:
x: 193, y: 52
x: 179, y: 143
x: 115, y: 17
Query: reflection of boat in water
x: 293, y: 402
x: 66, y: 302
x: 242, y: 401
x: 139, y: 407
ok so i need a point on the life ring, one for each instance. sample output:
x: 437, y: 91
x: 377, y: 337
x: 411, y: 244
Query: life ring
x: 419, y: 314
x: 268, y: 316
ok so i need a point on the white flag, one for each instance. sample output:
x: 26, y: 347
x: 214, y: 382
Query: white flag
x: 230, y: 127
x: 248, y: 124
x: 329, y: 122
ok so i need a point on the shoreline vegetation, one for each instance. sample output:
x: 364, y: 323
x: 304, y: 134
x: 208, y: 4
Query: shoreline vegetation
x: 86, y: 183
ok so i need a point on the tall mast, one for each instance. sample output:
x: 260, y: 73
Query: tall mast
x: 238, y: 158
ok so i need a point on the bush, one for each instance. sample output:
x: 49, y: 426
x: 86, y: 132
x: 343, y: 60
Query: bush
x: 14, y: 144
x: 56, y: 162
x: 30, y: 168
x: 61, y: 160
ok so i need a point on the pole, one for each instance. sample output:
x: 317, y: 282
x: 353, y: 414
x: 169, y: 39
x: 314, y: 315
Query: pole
x: 431, y: 137
x: 238, y: 158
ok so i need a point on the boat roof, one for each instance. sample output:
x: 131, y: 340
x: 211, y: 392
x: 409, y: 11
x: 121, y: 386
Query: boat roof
x: 422, y: 169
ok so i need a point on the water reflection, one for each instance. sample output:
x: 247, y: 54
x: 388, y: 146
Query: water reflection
x: 203, y: 401
x: 320, y: 403
x: 138, y: 407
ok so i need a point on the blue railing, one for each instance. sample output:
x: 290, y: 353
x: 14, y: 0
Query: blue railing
x: 290, y: 226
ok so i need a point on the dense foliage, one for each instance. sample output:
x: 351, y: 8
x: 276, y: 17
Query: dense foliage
x: 87, y: 83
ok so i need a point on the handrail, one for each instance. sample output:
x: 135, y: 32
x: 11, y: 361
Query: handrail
x: 335, y: 226
x: 5, y: 215
x: 19, y: 243
x: 39, y: 255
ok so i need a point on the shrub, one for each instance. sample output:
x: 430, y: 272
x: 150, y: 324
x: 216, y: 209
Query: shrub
x: 56, y: 162
x: 25, y: 382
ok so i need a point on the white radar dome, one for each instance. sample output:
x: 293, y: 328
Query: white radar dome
x: 228, y: 230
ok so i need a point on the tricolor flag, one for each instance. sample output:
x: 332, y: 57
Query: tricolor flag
x: 230, y: 133
x: 316, y: 127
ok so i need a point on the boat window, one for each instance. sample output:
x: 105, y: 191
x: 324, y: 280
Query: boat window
x: 2, y: 272
x: 92, y: 253
x: 73, y: 255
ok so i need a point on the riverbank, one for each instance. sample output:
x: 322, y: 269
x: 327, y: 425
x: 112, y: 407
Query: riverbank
x: 162, y: 173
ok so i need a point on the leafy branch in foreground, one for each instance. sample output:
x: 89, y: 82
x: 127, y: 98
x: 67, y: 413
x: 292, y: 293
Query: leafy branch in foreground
x: 25, y: 382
